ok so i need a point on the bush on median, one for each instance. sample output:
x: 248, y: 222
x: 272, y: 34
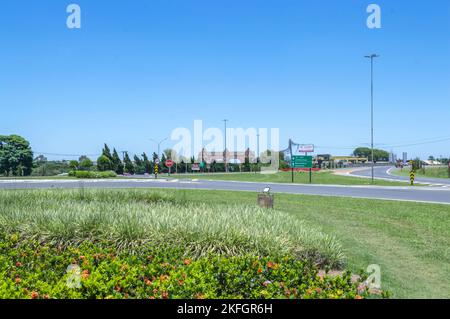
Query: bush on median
x: 91, y: 174
x: 32, y: 270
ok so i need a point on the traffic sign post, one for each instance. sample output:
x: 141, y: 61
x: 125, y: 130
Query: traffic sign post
x: 412, y: 177
x: 156, y: 168
x: 303, y: 162
x: 169, y: 164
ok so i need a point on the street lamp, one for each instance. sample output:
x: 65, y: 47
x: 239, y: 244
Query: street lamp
x: 225, y: 148
x: 371, y: 57
x: 159, y: 143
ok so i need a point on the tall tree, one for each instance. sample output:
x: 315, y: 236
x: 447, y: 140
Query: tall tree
x: 86, y: 164
x: 139, y: 165
x: 104, y: 163
x: 129, y: 167
x: 147, y: 163
x: 117, y: 165
x: 107, y: 152
x: 16, y: 156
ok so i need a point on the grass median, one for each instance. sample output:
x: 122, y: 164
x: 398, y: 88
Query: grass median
x: 322, y: 178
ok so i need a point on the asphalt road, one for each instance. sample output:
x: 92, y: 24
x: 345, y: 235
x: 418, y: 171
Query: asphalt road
x: 406, y: 193
x: 383, y: 172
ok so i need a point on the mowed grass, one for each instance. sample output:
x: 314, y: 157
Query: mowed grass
x: 433, y: 172
x: 130, y: 219
x: 322, y: 177
x: 410, y: 241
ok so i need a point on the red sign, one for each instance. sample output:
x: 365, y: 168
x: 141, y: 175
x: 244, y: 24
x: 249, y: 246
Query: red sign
x: 169, y: 163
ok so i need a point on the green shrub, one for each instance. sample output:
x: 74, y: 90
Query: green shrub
x: 31, y: 270
x: 92, y: 174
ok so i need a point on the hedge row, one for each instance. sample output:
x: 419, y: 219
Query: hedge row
x: 92, y: 174
x: 32, y: 270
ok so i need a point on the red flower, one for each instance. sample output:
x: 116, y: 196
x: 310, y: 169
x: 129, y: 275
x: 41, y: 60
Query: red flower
x: 18, y: 280
x: 34, y: 295
x: 18, y: 264
x: 165, y: 295
x: 82, y: 257
x: 46, y: 296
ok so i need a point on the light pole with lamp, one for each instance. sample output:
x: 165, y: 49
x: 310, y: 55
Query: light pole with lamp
x: 371, y: 57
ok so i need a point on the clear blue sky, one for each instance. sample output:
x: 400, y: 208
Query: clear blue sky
x: 138, y: 69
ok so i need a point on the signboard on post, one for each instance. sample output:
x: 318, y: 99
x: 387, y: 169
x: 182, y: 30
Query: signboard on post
x: 195, y: 167
x: 169, y: 163
x: 302, y: 162
x: 305, y: 148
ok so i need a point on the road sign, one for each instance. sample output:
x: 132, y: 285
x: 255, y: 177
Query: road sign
x: 305, y: 148
x: 302, y: 162
x: 412, y: 177
x: 195, y: 167
x: 169, y: 163
x: 157, y: 161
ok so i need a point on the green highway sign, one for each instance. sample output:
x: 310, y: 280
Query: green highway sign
x: 302, y: 162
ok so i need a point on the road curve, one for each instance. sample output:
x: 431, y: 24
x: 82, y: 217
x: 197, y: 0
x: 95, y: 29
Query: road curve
x: 406, y: 193
x: 383, y: 173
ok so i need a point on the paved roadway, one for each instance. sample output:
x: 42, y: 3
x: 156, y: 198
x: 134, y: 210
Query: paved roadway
x: 383, y: 173
x: 402, y: 193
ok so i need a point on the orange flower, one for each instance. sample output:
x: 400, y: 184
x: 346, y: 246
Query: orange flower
x: 85, y: 274
x: 82, y: 257
x: 272, y: 265
x: 34, y: 295
x: 46, y: 296
x: 358, y: 297
x: 18, y: 280
x: 117, y: 288
x: 260, y: 270
x: 18, y: 264
x: 165, y: 295
x: 181, y: 282
x: 187, y: 262
x: 147, y: 282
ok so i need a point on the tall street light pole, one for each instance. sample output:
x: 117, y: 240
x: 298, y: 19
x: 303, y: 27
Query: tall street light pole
x: 371, y: 57
x: 225, y: 148
x: 159, y: 144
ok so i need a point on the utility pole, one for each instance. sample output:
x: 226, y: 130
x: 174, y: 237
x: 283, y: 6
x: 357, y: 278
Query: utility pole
x: 292, y: 166
x: 371, y: 57
x: 257, y: 149
x: 225, y: 148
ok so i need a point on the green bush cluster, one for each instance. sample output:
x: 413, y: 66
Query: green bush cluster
x: 31, y: 270
x: 92, y: 174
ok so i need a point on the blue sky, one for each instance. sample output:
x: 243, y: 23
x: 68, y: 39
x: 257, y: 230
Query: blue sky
x: 138, y: 69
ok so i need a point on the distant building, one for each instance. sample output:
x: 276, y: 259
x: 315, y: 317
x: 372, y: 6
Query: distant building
x: 405, y: 158
x: 231, y: 157
x: 431, y: 163
x: 349, y: 159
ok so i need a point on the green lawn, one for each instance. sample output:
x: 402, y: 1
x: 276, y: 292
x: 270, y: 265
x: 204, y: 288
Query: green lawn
x: 410, y: 241
x: 433, y: 172
x: 323, y: 177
